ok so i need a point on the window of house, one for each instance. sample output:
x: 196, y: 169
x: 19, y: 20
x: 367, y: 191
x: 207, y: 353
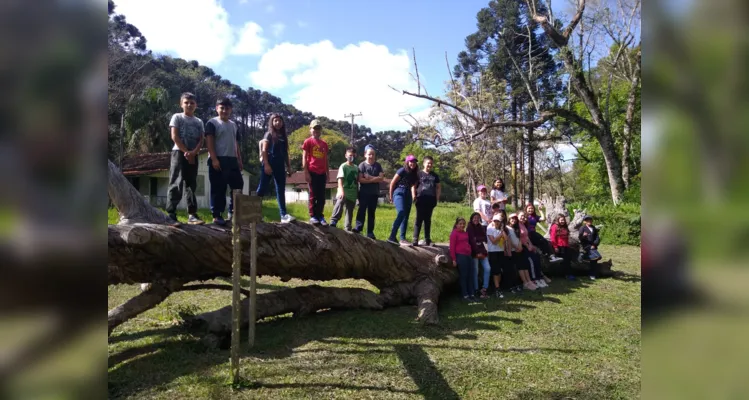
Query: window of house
x: 136, y: 183
x: 153, y: 190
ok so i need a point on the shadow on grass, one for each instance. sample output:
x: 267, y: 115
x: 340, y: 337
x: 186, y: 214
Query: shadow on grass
x: 623, y: 276
x: 136, y: 369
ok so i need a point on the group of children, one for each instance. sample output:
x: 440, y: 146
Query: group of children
x: 509, y: 249
x: 410, y: 185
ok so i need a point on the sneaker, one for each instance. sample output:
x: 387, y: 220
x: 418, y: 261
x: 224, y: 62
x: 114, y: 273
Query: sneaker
x: 323, y: 222
x: 499, y: 295
x: 333, y: 225
x: 173, y: 221
x: 405, y: 243
x: 466, y: 298
x: 372, y: 236
x: 472, y: 298
x: 393, y: 241
x: 547, y: 280
x: 570, y: 277
x: 358, y: 232
x: 415, y: 243
x: 555, y: 259
x: 483, y: 294
x: 530, y: 286
x: 219, y: 221
x: 592, y: 278
x: 194, y: 220
x: 285, y: 219
x: 314, y: 221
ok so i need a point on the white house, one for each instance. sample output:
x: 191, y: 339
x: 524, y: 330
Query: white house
x: 149, y: 173
x: 297, y: 189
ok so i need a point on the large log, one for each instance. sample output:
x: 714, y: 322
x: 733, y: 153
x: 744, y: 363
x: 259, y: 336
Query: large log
x: 143, y: 248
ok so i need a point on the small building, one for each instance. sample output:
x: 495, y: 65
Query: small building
x: 297, y: 189
x: 149, y: 174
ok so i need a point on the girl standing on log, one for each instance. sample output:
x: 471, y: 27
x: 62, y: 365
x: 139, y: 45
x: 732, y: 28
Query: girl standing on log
x: 400, y: 195
x: 536, y: 275
x: 274, y: 157
x: 482, y: 205
x: 520, y: 255
x: 498, y: 195
x: 460, y: 251
x: 479, y: 254
x: 560, y: 239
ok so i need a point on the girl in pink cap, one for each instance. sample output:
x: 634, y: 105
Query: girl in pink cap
x: 483, y: 206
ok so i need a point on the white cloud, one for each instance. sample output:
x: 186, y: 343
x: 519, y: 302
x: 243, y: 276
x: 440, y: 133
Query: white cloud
x: 331, y: 81
x: 277, y: 29
x: 250, y: 41
x: 193, y: 29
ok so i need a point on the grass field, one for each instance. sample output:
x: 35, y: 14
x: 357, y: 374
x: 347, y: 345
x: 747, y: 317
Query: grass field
x: 578, y: 340
x: 442, y: 219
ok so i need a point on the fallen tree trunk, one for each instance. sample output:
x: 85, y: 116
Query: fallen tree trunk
x: 142, y: 248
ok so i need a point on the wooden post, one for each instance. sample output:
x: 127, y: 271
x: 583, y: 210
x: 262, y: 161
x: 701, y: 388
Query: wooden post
x: 253, y: 283
x: 235, y: 281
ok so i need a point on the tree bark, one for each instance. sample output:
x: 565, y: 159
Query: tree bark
x: 629, y: 119
x: 531, y: 166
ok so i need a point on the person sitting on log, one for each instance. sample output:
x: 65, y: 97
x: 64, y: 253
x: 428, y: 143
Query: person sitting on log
x: 589, y: 240
x: 536, y: 238
x: 536, y: 275
x: 499, y: 250
x: 520, y: 255
x: 560, y: 239
x: 460, y: 252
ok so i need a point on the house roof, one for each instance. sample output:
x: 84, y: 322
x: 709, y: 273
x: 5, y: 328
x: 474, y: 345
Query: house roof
x: 297, y: 179
x: 148, y: 163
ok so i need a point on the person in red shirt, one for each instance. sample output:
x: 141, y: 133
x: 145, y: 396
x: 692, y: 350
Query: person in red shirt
x: 460, y: 251
x: 560, y: 240
x: 315, y: 166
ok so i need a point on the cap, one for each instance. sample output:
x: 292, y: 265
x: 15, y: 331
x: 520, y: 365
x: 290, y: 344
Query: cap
x: 314, y: 123
x: 497, y: 217
x: 587, y: 217
x: 411, y: 157
x: 370, y: 147
x: 480, y: 188
x: 512, y: 215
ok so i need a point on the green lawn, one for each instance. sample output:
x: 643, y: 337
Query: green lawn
x: 442, y: 219
x: 578, y: 340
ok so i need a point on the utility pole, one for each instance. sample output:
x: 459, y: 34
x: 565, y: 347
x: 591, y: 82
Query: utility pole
x: 352, y: 115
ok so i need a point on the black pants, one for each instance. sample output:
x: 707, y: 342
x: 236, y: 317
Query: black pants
x: 498, y: 263
x: 510, y: 276
x: 317, y: 194
x: 593, y: 264
x: 424, y: 208
x: 183, y: 179
x: 229, y: 175
x: 567, y: 255
x: 368, y: 205
x: 539, y: 241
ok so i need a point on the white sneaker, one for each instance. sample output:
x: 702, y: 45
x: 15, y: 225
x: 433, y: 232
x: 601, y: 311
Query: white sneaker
x: 314, y: 221
x: 540, y: 283
x: 592, y: 278
x: 530, y: 286
x: 554, y: 259
x: 287, y: 218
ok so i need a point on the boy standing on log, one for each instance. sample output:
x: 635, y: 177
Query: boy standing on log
x: 187, y: 133
x: 315, y: 166
x: 224, y: 160
x: 348, y: 188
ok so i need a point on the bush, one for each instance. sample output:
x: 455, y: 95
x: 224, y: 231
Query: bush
x: 621, y: 224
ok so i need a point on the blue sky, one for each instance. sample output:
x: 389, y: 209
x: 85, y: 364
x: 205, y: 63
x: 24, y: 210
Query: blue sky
x: 327, y: 57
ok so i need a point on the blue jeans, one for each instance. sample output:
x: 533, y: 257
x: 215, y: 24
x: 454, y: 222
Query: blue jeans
x: 487, y: 272
x: 279, y: 178
x: 402, y: 200
x: 467, y: 287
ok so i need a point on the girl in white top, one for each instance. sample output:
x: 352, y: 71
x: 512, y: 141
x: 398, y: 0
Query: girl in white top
x: 482, y: 206
x: 498, y: 193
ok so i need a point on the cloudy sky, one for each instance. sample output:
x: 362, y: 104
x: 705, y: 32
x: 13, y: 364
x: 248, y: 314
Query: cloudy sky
x: 328, y: 57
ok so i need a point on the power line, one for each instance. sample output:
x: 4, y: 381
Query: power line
x: 352, y: 115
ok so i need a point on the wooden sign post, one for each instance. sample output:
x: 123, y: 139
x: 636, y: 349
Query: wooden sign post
x: 247, y: 211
